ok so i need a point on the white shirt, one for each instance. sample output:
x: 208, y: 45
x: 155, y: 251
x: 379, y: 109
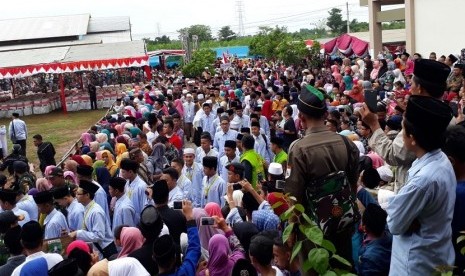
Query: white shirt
x: 189, y: 112
x: 51, y: 258
x: 200, y: 154
x: 19, y: 212
x: 175, y: 194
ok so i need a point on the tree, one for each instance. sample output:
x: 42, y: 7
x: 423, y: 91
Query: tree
x: 203, y: 32
x: 200, y: 59
x: 335, y: 22
x: 356, y: 26
x: 290, y: 51
x: 394, y: 25
x: 162, y: 39
x: 225, y: 33
x: 266, y: 42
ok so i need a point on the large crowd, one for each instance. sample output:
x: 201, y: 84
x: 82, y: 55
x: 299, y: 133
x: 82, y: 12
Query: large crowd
x: 192, y: 176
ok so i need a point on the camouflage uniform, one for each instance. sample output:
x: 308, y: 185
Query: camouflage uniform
x: 316, y: 155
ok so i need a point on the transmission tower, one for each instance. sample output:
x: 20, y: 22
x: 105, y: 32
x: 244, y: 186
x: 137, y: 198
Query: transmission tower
x: 240, y: 17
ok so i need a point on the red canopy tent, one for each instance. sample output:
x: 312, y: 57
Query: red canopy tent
x: 347, y: 45
x: 25, y: 63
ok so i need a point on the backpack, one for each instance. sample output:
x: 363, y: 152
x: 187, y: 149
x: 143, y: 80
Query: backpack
x: 331, y: 203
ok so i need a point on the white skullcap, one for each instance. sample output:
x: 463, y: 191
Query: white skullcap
x: 189, y: 151
x: 385, y: 173
x: 185, y: 91
x: 200, y: 97
x: 275, y: 169
x: 208, y: 101
x: 169, y: 92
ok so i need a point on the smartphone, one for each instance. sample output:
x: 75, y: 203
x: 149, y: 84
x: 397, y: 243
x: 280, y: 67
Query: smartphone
x: 177, y: 205
x: 237, y: 186
x: 207, y: 221
x: 371, y: 100
x: 280, y: 184
x: 342, y: 110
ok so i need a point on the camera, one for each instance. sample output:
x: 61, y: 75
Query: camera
x: 177, y: 205
x: 207, y: 221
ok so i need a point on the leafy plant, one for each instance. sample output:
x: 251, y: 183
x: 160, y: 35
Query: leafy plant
x: 200, y: 59
x: 324, y: 250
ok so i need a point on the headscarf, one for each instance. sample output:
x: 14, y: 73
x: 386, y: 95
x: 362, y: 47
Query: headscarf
x: 213, y: 209
x: 265, y: 220
x: 72, y: 175
x: 376, y: 160
x: 82, y: 245
x: 123, y: 156
x: 123, y: 140
x: 218, y: 250
x: 86, y: 138
x: 101, y: 138
x: 237, y: 198
x: 99, y: 269
x: 131, y: 240
x: 119, y: 129
x: 87, y: 159
x: 158, y: 153
x: 103, y: 177
x: 274, y: 198
x: 97, y: 164
x: 85, y: 149
x: 244, y: 231
x: 78, y: 159
x: 42, y: 184
x: 94, y: 146
x: 107, y: 146
x: 205, y: 231
x: 398, y: 76
x: 360, y: 147
x: 111, y: 166
x: 134, y: 131
x: 126, y: 266
x: 179, y: 107
x: 48, y: 170
x: 106, y: 132
x: 71, y: 165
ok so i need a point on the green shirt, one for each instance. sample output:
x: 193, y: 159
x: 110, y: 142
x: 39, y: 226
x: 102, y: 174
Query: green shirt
x: 280, y: 158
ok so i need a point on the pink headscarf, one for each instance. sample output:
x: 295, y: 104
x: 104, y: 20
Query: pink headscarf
x: 220, y: 261
x: 376, y: 160
x: 42, y: 184
x: 86, y: 138
x: 72, y: 175
x: 131, y: 240
x: 213, y: 209
x: 119, y: 129
x: 179, y: 107
x: 82, y: 245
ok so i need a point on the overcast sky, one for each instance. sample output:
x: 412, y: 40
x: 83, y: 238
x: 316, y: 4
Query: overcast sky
x: 172, y: 15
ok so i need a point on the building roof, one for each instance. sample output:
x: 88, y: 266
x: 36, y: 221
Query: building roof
x: 85, y: 40
x: 73, y: 54
x: 111, y: 37
x: 43, y: 27
x: 108, y: 24
x: 106, y: 51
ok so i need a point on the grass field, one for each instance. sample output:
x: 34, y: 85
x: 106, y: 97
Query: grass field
x: 59, y: 129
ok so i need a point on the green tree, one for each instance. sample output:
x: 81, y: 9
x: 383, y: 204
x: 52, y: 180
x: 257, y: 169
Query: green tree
x: 290, y: 51
x: 225, y: 33
x: 162, y: 39
x: 356, y: 26
x: 200, y: 59
x: 335, y: 22
x: 266, y: 42
x: 204, y: 32
x: 394, y: 25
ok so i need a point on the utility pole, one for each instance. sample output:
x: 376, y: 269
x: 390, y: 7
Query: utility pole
x: 348, y: 22
x: 240, y: 16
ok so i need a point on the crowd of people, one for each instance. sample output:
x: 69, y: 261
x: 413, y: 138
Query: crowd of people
x: 189, y: 176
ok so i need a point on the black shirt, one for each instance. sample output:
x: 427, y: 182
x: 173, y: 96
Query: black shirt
x: 289, y: 138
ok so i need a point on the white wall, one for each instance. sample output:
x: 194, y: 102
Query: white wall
x: 439, y: 27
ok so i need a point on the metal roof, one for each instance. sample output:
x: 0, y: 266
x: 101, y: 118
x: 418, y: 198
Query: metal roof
x: 72, y: 54
x: 43, y: 27
x: 34, y: 56
x: 111, y: 37
x: 86, y: 40
x: 108, y: 24
x: 106, y: 51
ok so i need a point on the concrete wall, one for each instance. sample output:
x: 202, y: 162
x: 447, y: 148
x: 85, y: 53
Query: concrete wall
x: 438, y: 27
